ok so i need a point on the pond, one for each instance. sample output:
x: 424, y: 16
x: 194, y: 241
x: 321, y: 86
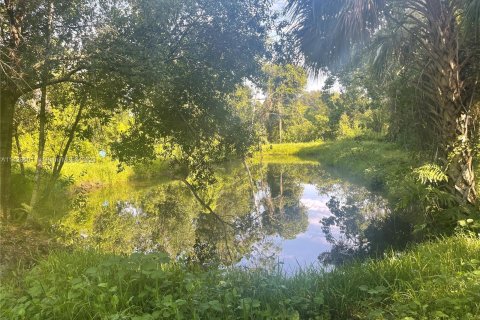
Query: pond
x: 273, y: 215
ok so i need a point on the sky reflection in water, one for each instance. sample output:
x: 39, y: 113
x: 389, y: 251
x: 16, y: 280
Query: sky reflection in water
x: 302, y: 251
x: 286, y: 230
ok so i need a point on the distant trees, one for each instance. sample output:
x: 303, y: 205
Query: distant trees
x: 430, y: 47
x: 358, y: 108
x: 283, y: 111
x: 308, y: 119
x: 283, y: 84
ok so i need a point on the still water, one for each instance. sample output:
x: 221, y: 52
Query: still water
x: 273, y: 215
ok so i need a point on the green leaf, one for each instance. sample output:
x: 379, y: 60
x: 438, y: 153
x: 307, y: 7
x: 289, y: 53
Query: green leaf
x: 180, y: 302
x: 215, y: 305
x: 363, y: 288
x: 320, y: 299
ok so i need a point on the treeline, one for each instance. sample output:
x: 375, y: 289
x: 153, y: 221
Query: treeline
x: 279, y: 109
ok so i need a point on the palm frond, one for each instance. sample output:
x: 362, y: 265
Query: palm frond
x: 391, y: 50
x: 471, y: 19
x: 327, y: 31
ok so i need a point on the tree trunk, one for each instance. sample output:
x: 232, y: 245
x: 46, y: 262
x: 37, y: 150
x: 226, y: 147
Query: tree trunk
x: 43, y: 106
x: 7, y: 108
x: 8, y: 97
x: 19, y: 152
x: 60, y: 158
x: 453, y: 97
x: 459, y: 152
x: 280, y: 129
x: 457, y: 132
x: 41, y: 148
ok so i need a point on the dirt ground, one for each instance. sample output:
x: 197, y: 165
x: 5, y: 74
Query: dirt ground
x: 22, y: 245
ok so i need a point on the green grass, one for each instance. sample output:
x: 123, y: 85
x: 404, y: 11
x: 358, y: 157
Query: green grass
x: 376, y: 164
x: 285, y: 153
x: 107, y: 172
x: 285, y: 149
x: 435, y: 280
x: 103, y: 172
x: 281, y: 159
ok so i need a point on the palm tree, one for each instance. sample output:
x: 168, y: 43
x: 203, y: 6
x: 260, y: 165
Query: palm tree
x: 437, y: 40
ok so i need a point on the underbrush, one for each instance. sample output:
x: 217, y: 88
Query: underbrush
x: 436, y: 280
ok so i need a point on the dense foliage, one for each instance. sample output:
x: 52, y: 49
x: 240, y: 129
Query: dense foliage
x: 193, y: 120
x: 424, y: 54
x: 168, y: 63
x: 434, y: 280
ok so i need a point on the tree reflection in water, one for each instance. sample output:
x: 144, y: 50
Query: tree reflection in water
x: 255, y: 227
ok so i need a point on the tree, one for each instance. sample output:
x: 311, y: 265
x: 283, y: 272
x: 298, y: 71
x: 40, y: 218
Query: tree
x: 171, y: 63
x: 435, y: 42
x: 282, y: 87
x: 357, y: 109
x: 250, y: 111
x: 42, y: 43
x: 180, y: 95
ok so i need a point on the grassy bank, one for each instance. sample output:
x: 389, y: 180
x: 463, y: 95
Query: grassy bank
x: 395, y: 172
x: 436, y: 280
x: 285, y: 153
x: 101, y: 172
x: 288, y: 149
x: 86, y: 176
x: 375, y: 164
x: 104, y: 171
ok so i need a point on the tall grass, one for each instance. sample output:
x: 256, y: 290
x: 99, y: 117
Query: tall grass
x: 435, y: 280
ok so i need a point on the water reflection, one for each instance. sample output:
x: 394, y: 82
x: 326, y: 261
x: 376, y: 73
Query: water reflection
x: 279, y: 213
